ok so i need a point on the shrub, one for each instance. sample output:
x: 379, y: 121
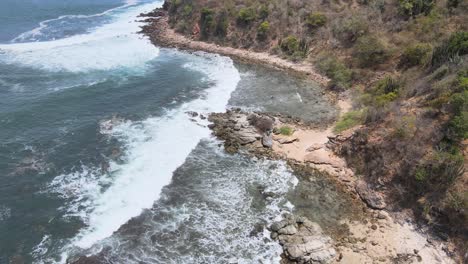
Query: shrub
x: 459, y: 126
x: 420, y: 175
x: 405, y: 127
x: 412, y: 8
x: 207, y: 22
x: 316, y: 20
x: 383, y: 92
x: 290, y: 45
x: 370, y: 51
x: 188, y: 10
x: 348, y: 30
x: 286, y: 130
x: 339, y: 74
x: 349, y: 120
x: 414, y: 55
x: 222, y: 25
x: 263, y: 29
x: 456, y: 45
x: 452, y: 4
x: 263, y: 13
x: 246, y: 15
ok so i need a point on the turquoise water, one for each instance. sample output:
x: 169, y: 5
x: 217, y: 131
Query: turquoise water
x: 94, y: 133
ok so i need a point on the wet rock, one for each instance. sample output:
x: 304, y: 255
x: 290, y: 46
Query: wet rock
x: 276, y: 226
x: 192, y: 113
x: 373, y: 199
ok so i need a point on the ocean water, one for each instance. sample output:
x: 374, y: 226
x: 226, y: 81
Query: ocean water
x: 98, y: 156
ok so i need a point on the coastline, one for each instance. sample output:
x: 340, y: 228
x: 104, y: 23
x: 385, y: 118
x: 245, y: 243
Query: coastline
x: 160, y: 33
x: 383, y: 237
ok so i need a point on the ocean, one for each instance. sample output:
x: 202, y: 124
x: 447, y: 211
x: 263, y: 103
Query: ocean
x: 99, y: 157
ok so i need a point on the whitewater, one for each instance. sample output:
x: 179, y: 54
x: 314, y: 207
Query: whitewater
x: 154, y: 147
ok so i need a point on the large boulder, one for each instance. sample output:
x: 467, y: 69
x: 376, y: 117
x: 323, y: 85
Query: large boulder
x: 303, y: 241
x: 267, y: 140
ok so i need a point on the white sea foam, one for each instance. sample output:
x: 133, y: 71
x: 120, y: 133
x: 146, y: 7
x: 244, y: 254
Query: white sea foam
x: 110, y: 46
x: 154, y: 148
x: 5, y: 212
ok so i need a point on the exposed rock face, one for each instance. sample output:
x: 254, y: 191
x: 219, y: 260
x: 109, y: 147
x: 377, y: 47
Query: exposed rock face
x: 373, y: 199
x: 267, y: 140
x: 303, y: 241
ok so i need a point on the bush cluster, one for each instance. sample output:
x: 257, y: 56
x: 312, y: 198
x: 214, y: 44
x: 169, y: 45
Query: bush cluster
x: 382, y: 93
x: 333, y: 68
x: 316, y: 20
x: 263, y: 29
x: 294, y: 47
x: 370, y: 51
x: 458, y: 126
x: 349, y: 120
x: 414, y: 55
x: 348, y: 30
x: 246, y: 15
x: 207, y: 22
x: 456, y: 45
x: 412, y: 8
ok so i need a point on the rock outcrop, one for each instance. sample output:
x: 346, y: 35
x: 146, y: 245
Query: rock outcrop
x: 303, y: 241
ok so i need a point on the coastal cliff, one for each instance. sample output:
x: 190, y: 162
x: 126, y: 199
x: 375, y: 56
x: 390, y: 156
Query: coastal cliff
x: 404, y: 64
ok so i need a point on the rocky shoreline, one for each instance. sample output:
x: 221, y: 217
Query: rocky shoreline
x: 380, y: 237
x: 373, y: 235
x: 160, y: 33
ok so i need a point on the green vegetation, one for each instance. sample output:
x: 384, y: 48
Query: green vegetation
x: 383, y: 92
x: 188, y: 10
x: 246, y: 15
x: 316, y: 20
x: 416, y: 54
x: 348, y: 30
x: 207, y: 22
x: 349, y: 120
x: 440, y: 170
x: 370, y: 51
x: 263, y: 13
x: 222, y: 25
x: 286, y: 130
x: 405, y: 127
x: 293, y: 47
x: 290, y: 45
x: 263, y: 29
x: 449, y: 50
x: 412, y: 8
x: 333, y: 68
x: 458, y: 126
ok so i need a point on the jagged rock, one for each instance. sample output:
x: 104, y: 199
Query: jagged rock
x: 192, y: 113
x: 303, y: 241
x: 267, y: 140
x: 276, y: 226
x: 247, y: 136
x: 288, y: 230
x: 373, y: 199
